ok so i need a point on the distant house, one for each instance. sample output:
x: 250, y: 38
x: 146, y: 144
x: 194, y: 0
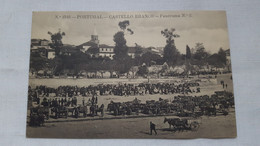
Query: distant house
x: 153, y: 50
x: 94, y: 49
x: 87, y: 45
x: 42, y: 47
x: 106, y: 51
x: 93, y: 42
x: 137, y: 50
x: 132, y: 51
x: 50, y: 54
x: 40, y: 43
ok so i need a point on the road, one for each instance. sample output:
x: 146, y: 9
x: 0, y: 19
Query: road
x: 213, y: 127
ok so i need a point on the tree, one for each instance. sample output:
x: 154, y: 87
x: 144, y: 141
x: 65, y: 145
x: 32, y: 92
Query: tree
x: 123, y: 61
x: 222, y: 56
x: 188, y: 52
x: 121, y: 49
x: 139, y: 51
x: 171, y: 54
x: 218, y: 59
x: 37, y: 62
x: 187, y: 60
x: 56, y: 39
x: 142, y: 70
x: 123, y: 65
x: 149, y: 59
x: 200, y: 53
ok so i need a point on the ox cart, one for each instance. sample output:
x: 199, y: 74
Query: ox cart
x: 181, y: 124
x: 40, y: 110
x: 81, y: 109
x: 60, y: 111
x: 38, y: 115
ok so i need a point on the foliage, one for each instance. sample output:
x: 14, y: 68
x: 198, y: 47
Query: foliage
x: 142, y: 70
x: 120, y: 48
x: 217, y: 59
x: 123, y: 65
x: 200, y: 53
x: 78, y: 62
x: 188, y: 52
x: 149, y: 59
x: 171, y: 54
x: 56, y: 39
x: 222, y: 56
x: 123, y: 61
x: 37, y: 62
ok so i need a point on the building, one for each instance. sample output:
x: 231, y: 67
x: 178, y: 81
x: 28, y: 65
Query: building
x: 92, y: 43
x: 95, y: 49
x: 39, y: 43
x: 94, y: 37
x: 132, y: 52
x: 106, y: 51
x: 87, y: 45
x: 42, y: 47
x: 50, y: 54
x: 154, y: 50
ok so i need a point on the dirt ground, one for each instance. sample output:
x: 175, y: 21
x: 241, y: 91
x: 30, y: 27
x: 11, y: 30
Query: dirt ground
x: 210, y: 127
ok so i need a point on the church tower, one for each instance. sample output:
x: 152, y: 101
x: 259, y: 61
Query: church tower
x: 94, y: 37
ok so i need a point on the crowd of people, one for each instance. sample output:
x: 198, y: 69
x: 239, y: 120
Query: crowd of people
x: 118, y: 90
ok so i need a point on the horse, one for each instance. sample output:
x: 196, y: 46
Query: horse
x: 93, y: 110
x: 210, y: 111
x: 40, y: 111
x: 81, y: 109
x: 101, y: 110
x: 59, y: 111
x: 177, y: 123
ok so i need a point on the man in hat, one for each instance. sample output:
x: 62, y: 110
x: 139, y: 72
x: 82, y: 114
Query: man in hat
x: 152, y: 128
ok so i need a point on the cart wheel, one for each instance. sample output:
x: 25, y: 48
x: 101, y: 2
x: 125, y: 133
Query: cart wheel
x: 194, y: 126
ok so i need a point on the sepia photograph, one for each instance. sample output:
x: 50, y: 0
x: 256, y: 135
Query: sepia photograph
x: 130, y: 75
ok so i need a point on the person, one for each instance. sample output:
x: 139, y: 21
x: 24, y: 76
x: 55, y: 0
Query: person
x: 152, y: 128
x: 45, y: 102
x: 83, y: 102
x: 93, y: 100
x: 96, y: 101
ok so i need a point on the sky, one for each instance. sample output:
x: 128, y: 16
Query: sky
x: 207, y: 27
